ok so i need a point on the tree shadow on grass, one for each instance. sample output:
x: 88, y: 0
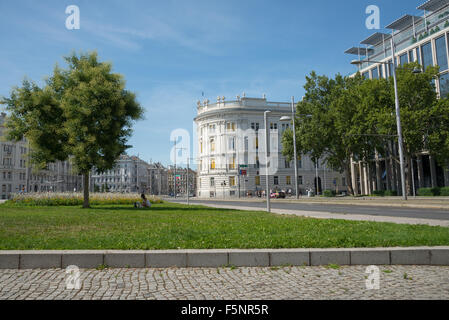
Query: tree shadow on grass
x: 160, y: 209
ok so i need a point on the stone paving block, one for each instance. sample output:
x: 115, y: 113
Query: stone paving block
x: 439, y: 257
x: 82, y: 260
x: 410, y: 256
x: 124, y: 260
x: 9, y: 261
x: 249, y: 259
x: 325, y: 257
x: 40, y: 260
x: 165, y: 259
x: 294, y: 258
x: 207, y: 259
x: 370, y: 257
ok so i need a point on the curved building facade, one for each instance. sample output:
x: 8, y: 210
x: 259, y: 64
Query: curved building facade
x: 231, y: 151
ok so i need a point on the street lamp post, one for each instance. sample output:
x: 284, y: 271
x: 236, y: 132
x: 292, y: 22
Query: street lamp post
x: 267, y: 183
x: 398, y: 114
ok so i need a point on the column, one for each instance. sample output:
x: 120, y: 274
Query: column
x: 379, y: 185
x: 362, y: 189
x: 446, y: 176
x: 433, y: 172
x: 355, y: 186
x: 420, y: 172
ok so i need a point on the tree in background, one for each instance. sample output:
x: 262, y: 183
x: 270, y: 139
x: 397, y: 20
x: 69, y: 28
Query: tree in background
x: 347, y: 118
x: 83, y: 113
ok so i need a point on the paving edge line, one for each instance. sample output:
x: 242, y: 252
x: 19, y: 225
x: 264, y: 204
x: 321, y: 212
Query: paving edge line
x: 342, y: 216
x: 48, y: 259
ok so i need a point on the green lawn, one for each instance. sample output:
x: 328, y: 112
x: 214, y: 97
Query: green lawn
x: 172, y: 226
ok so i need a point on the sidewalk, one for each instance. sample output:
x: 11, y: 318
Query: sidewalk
x: 418, y: 202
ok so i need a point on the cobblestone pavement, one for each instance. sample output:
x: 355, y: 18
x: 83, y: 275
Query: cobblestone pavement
x: 333, y: 282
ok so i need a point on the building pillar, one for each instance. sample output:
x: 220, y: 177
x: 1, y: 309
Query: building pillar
x: 379, y: 185
x: 433, y: 172
x: 420, y: 172
x: 388, y: 174
x: 446, y: 176
x: 355, y: 186
x: 361, y: 178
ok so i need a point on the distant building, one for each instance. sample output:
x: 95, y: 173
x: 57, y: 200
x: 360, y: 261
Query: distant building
x: 16, y: 175
x: 157, y: 179
x: 180, y: 176
x: 129, y: 175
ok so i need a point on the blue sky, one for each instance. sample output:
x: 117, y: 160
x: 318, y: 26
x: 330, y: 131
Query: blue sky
x: 170, y: 52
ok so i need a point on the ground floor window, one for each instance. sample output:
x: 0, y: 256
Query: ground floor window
x: 289, y: 180
x: 276, y: 180
x: 257, y: 180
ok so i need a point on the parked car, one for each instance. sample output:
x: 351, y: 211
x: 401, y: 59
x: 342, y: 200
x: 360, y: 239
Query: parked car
x: 278, y: 195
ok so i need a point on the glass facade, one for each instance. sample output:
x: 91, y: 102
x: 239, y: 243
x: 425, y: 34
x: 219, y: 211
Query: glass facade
x: 375, y: 73
x: 444, y: 85
x: 403, y: 59
x: 366, y: 75
x: 426, y: 51
x: 440, y: 46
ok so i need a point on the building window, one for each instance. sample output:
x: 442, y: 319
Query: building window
x: 287, y: 164
x: 273, y: 126
x: 212, y: 164
x: 289, y: 180
x: 212, y: 182
x: 375, y: 73
x: 276, y: 180
x: 257, y: 180
x: 232, y: 163
x: 403, y: 59
x: 230, y: 126
x: 232, y: 181
x: 426, y: 51
x: 212, y: 145
x: 444, y: 85
x: 440, y: 46
x: 300, y: 182
x: 231, y: 143
x: 255, y: 126
x: 365, y: 75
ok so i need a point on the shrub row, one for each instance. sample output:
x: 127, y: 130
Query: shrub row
x: 329, y: 193
x: 75, y: 199
x: 385, y: 193
x: 433, y: 192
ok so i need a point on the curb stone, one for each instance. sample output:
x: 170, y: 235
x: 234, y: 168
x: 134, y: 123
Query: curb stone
x: 46, y: 259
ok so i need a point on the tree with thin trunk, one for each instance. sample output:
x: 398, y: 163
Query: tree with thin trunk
x: 83, y: 114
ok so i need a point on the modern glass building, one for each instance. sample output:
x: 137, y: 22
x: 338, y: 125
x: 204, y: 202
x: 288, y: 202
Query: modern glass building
x: 417, y: 38
x: 423, y: 39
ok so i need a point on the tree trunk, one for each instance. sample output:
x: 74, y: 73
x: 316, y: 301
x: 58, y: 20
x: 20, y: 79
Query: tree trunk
x: 86, y: 190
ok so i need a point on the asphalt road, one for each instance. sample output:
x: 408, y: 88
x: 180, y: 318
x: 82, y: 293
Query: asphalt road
x: 404, y: 212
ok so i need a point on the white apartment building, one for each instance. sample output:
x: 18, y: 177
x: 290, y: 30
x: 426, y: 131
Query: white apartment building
x: 130, y: 174
x: 17, y: 176
x: 231, y: 152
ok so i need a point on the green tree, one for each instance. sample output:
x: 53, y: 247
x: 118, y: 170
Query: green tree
x: 83, y: 113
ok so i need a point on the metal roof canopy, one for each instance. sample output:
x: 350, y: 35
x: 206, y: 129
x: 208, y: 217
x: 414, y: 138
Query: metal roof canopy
x: 433, y: 5
x: 404, y: 22
x: 376, y: 38
x: 357, y: 51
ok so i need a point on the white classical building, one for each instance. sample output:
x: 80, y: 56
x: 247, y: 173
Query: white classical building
x: 231, y: 151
